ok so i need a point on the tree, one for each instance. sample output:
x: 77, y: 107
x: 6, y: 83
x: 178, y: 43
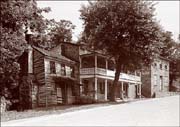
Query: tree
x: 56, y: 33
x: 126, y: 30
x: 171, y: 50
x: 174, y: 65
x: 16, y: 16
x: 168, y: 44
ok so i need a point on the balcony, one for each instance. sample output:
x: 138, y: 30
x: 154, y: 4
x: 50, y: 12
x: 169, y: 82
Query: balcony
x: 108, y: 73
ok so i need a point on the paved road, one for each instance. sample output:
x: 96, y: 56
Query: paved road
x: 153, y: 112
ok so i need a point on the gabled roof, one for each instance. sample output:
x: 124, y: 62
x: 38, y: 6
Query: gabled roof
x: 52, y: 54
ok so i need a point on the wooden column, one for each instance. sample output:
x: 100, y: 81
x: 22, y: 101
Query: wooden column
x: 95, y: 64
x: 106, y: 64
x: 95, y: 87
x: 80, y: 80
x: 128, y: 89
x: 139, y: 90
x: 122, y: 91
x: 105, y: 89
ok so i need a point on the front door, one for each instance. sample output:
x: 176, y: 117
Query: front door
x: 59, y: 96
x: 62, y: 93
x: 161, y: 83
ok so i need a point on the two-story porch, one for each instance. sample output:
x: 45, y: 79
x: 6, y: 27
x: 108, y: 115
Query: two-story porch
x: 97, y: 73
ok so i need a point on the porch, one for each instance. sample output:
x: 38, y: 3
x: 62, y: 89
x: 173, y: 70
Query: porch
x: 99, y: 89
x: 67, y: 89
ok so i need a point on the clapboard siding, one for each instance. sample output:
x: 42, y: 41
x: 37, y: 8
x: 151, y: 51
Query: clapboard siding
x: 47, y: 95
x: 38, y: 65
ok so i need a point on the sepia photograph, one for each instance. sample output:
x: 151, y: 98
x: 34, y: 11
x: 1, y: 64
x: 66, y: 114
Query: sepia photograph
x: 90, y: 63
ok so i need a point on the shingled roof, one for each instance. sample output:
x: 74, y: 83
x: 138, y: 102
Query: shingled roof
x: 52, y: 54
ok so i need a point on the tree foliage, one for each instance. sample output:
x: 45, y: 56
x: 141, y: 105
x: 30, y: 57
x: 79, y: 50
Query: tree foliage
x: 171, y: 50
x: 56, y: 33
x: 16, y: 16
x: 127, y: 30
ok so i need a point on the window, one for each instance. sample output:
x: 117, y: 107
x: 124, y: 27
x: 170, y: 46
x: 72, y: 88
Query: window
x: 68, y: 71
x: 160, y: 66
x: 155, y: 64
x: 101, y: 85
x: 85, y: 87
x: 63, y: 71
x: 166, y: 67
x: 52, y: 67
x: 72, y: 72
x: 155, y: 80
x: 73, y: 89
x: 161, y: 83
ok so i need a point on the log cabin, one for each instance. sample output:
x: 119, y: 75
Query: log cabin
x: 49, y: 78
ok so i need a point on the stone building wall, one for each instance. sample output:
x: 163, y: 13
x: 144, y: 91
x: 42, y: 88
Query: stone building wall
x: 159, y: 76
x: 155, y: 78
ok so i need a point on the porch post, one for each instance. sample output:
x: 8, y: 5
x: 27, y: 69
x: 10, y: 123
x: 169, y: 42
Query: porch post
x: 105, y: 89
x: 81, y: 86
x: 122, y: 91
x: 95, y: 87
x: 106, y: 64
x: 139, y: 90
x: 128, y: 87
x: 95, y: 64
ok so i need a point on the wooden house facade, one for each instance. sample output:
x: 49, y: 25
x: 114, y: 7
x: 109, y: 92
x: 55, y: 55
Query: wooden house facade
x: 48, y: 77
x: 97, y: 72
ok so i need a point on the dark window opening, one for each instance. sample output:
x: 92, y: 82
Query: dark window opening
x: 88, y: 61
x: 85, y: 87
x: 101, y: 88
x: 111, y: 65
x: 101, y: 62
x: 63, y: 70
x: 155, y: 64
x: 72, y: 72
x: 160, y: 66
x: 52, y: 67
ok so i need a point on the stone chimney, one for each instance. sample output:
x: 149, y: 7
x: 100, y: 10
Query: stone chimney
x: 28, y: 36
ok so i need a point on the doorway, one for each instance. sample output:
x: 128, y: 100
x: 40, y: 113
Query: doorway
x: 161, y: 83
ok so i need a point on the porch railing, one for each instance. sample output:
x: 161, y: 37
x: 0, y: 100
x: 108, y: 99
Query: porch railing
x: 110, y: 73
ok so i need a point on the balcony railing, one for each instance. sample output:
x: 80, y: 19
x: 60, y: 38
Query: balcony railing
x: 110, y: 73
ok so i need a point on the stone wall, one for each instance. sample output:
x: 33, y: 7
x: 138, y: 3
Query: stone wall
x: 28, y: 92
x: 160, y: 75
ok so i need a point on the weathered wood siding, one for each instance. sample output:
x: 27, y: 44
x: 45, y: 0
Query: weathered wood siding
x: 38, y: 66
x: 50, y: 85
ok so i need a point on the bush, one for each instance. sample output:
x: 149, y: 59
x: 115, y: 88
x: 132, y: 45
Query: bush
x: 84, y: 100
x: 5, y: 104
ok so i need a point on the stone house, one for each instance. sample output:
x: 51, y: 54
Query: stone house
x: 155, y: 78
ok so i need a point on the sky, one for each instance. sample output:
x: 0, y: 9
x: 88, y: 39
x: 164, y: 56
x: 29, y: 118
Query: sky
x: 167, y: 12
